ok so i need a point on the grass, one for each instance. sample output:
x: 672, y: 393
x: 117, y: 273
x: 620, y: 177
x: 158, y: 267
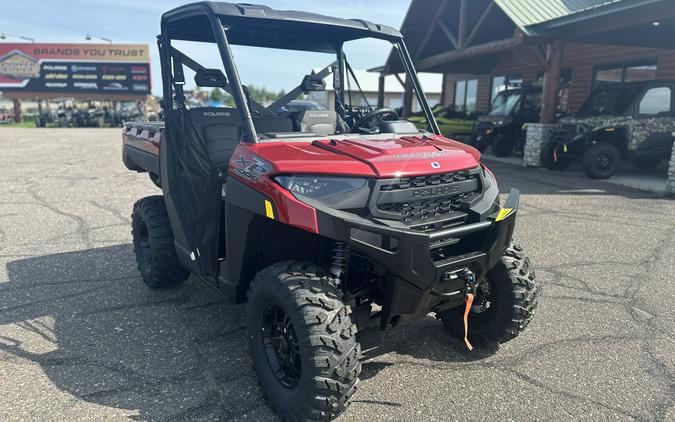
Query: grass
x: 27, y: 122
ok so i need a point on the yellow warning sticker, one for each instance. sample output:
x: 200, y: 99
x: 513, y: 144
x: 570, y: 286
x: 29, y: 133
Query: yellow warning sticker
x: 503, y: 213
x: 269, y: 211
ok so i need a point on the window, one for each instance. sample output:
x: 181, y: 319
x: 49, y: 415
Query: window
x: 460, y: 95
x: 498, y: 85
x: 501, y: 83
x: 466, y: 94
x: 624, y: 72
x: 640, y: 73
x: 655, y: 102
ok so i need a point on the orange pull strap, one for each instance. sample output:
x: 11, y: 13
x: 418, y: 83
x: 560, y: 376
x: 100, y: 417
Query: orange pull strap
x: 469, y: 301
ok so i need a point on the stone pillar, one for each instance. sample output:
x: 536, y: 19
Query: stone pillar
x: 670, y: 183
x: 537, y: 134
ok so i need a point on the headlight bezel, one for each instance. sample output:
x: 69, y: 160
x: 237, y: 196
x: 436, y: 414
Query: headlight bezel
x: 354, y: 194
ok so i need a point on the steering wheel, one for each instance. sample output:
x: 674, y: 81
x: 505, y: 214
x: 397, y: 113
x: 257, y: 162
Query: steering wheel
x: 373, y: 118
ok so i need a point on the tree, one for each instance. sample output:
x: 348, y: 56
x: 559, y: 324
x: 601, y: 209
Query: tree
x: 217, y: 95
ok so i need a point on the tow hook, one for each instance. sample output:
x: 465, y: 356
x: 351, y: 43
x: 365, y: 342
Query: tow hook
x: 470, y: 293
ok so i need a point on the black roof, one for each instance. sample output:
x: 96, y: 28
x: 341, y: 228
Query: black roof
x: 262, y: 26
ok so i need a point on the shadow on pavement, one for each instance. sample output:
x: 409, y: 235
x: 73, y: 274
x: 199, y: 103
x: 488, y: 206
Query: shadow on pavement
x: 100, y: 335
x: 543, y: 182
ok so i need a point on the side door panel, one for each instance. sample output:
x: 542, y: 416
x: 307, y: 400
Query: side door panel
x: 653, y: 133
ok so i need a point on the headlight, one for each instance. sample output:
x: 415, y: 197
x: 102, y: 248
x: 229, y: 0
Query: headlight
x: 318, y: 187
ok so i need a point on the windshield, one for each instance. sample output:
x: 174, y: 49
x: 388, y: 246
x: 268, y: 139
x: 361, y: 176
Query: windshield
x: 504, y: 103
x: 308, y: 93
x: 609, y: 100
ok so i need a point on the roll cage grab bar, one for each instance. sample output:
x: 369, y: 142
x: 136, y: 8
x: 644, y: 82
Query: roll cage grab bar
x: 234, y: 87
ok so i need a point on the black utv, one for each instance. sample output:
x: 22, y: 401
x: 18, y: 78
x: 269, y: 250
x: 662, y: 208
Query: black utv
x: 502, y: 127
x: 634, y: 121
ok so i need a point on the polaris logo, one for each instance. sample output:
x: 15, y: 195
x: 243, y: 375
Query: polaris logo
x: 216, y: 114
x: 318, y: 115
x: 435, y: 165
x: 436, y: 191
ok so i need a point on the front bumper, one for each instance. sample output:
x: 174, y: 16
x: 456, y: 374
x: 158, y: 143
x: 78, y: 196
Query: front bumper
x: 419, y: 278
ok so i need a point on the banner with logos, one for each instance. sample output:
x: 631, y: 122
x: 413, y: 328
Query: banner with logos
x: 73, y: 69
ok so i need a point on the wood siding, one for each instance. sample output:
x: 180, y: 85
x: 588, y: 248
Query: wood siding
x: 580, y: 58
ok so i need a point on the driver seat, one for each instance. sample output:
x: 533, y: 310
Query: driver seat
x: 319, y: 122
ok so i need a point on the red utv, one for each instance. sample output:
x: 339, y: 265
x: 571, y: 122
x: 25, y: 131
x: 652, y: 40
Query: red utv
x: 322, y: 220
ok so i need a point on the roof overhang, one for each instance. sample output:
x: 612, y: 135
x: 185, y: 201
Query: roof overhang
x: 640, y: 23
x: 262, y: 26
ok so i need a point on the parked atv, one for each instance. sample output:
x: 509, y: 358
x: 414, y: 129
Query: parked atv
x: 6, y: 116
x: 454, y: 125
x: 315, y: 217
x: 633, y: 121
x: 125, y: 111
x: 502, y: 128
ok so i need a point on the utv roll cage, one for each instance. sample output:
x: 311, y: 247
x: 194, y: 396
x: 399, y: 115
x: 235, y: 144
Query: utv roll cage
x: 228, y: 24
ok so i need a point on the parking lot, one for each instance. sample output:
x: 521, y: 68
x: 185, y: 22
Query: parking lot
x: 82, y: 338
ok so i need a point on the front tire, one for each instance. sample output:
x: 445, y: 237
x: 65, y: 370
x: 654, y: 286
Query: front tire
x: 512, y: 298
x: 601, y: 160
x: 302, y: 342
x: 549, y: 159
x: 153, y: 244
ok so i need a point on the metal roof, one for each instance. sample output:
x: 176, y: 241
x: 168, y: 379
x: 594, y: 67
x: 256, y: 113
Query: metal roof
x: 531, y: 12
x: 537, y: 17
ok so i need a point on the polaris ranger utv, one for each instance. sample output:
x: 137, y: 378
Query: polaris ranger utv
x: 502, y: 127
x: 634, y: 120
x: 322, y: 220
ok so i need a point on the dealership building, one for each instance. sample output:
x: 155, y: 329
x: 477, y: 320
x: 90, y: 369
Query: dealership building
x: 568, y: 46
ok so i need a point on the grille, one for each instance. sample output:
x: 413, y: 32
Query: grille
x: 429, y: 202
x: 423, y: 181
x: 417, y: 211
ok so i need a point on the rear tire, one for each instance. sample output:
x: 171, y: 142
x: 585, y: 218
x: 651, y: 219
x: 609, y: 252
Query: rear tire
x: 513, y: 299
x: 601, y: 160
x: 548, y: 159
x: 502, y: 146
x: 153, y: 244
x: 314, y: 350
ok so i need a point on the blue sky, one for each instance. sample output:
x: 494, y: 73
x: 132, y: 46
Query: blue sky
x: 137, y: 21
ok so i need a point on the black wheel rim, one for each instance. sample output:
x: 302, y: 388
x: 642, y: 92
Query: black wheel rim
x: 144, y: 252
x: 604, y: 161
x: 483, y: 300
x: 281, y: 346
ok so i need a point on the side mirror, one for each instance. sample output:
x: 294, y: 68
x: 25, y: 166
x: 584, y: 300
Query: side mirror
x: 213, y: 78
x: 313, y: 83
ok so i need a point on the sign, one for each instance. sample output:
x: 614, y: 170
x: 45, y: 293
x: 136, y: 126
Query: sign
x: 70, y: 69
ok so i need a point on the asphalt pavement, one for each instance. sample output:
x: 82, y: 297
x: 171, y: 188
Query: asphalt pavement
x: 82, y: 338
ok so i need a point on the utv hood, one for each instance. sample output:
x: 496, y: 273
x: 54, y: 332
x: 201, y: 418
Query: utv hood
x: 392, y: 157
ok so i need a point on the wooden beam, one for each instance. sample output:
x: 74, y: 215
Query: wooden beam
x: 448, y: 33
x: 398, y: 77
x: 490, y: 47
x: 427, y: 36
x: 461, y: 32
x: 552, y: 82
x: 479, y: 24
x: 539, y: 57
x: 18, y: 112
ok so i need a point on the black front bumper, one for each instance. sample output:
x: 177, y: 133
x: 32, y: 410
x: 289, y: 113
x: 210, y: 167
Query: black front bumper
x: 419, y: 279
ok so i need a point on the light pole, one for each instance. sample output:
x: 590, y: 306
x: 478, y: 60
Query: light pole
x: 88, y: 37
x: 4, y: 35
